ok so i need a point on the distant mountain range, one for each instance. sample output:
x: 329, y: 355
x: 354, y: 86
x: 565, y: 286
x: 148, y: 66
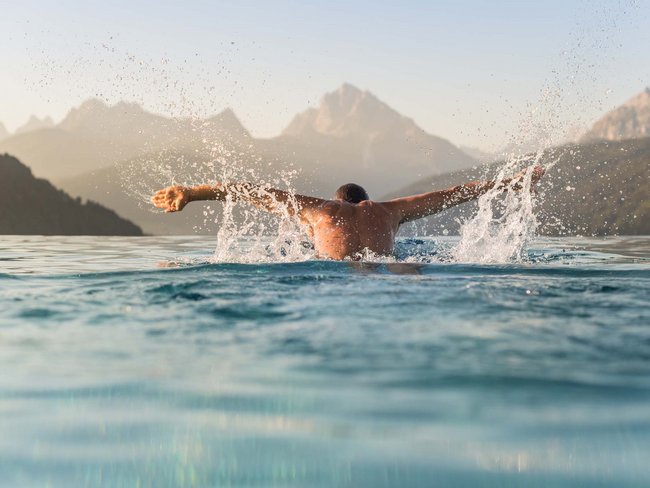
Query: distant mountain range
x: 351, y: 136
x: 100, y: 152
x: 32, y: 124
x: 597, y: 188
x: 629, y: 121
x: 117, y: 155
x: 33, y: 206
x: 95, y: 136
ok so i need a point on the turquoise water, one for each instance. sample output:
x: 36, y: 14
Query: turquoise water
x: 136, y: 362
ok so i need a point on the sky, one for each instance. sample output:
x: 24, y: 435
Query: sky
x: 476, y: 72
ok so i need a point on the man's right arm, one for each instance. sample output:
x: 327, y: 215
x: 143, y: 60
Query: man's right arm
x: 175, y: 198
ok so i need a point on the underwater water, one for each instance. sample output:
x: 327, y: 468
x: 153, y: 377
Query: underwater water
x: 141, y: 362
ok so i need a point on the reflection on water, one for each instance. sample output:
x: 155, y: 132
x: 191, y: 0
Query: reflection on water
x: 117, y: 372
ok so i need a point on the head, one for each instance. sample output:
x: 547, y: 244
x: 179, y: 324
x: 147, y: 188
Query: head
x: 351, y: 193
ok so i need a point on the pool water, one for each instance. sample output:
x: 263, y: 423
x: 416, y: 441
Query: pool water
x: 139, y: 362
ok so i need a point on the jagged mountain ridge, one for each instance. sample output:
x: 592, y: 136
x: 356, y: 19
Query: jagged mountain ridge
x: 349, y: 111
x: 384, y: 138
x: 629, y: 121
x: 34, y: 123
x: 95, y: 135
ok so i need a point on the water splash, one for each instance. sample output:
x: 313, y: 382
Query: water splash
x: 249, y: 235
x: 503, y: 225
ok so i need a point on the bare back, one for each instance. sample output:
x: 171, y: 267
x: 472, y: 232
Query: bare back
x: 342, y: 230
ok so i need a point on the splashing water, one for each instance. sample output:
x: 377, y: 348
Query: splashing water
x: 278, y: 238
x: 502, y: 226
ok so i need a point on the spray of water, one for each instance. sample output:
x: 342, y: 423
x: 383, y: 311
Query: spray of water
x: 502, y: 226
x: 505, y: 223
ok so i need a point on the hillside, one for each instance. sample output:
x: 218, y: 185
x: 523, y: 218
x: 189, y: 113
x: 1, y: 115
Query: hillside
x: 33, y: 206
x: 600, y: 188
x: 630, y: 120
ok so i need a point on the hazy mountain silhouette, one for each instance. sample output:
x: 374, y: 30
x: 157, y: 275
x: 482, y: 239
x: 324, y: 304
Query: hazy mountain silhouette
x: 33, y: 206
x: 349, y: 111
x: 629, y: 121
x: 4, y: 133
x: 354, y: 136
x: 34, y: 123
x: 597, y: 188
x: 96, y: 135
x: 351, y: 136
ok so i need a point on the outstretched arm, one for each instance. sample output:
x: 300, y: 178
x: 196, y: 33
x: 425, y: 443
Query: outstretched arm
x: 175, y: 198
x: 415, y: 207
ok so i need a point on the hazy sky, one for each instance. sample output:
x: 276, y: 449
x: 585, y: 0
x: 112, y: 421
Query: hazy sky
x: 471, y: 71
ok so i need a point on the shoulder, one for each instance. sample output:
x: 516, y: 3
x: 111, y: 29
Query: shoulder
x: 323, y: 208
x: 388, y: 208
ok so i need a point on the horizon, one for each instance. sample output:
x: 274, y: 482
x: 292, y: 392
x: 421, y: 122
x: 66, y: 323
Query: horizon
x: 239, y: 61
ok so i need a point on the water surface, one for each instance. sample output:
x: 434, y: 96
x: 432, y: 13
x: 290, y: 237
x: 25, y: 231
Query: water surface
x: 139, y: 362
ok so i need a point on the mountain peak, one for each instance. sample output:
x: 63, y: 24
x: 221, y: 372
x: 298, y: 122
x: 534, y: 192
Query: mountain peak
x: 348, y: 111
x: 92, y: 104
x: 228, y: 121
x: 123, y: 121
x: 641, y: 100
x: 346, y: 94
x: 93, y: 109
x: 630, y: 120
x: 34, y: 123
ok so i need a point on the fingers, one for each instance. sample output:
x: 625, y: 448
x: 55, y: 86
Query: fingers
x: 159, y: 197
x: 166, y: 199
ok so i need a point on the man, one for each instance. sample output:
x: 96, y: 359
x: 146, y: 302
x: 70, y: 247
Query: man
x: 349, y: 224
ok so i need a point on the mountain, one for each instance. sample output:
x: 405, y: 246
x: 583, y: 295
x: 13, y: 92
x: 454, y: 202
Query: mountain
x: 351, y: 136
x: 95, y: 135
x: 349, y: 111
x: 630, y: 120
x: 596, y: 188
x: 4, y: 133
x: 34, y: 123
x: 33, y: 206
x: 354, y: 136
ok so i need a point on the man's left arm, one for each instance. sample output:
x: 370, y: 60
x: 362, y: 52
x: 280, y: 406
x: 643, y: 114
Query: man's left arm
x: 417, y: 206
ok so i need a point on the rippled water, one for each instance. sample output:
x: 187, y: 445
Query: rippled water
x: 136, y: 362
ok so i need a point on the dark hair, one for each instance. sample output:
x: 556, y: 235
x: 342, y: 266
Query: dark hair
x: 351, y: 193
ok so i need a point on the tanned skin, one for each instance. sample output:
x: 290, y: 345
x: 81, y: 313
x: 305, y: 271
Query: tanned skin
x: 340, y: 229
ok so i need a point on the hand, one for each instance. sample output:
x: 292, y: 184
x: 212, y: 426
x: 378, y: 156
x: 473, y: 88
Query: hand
x: 172, y: 198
